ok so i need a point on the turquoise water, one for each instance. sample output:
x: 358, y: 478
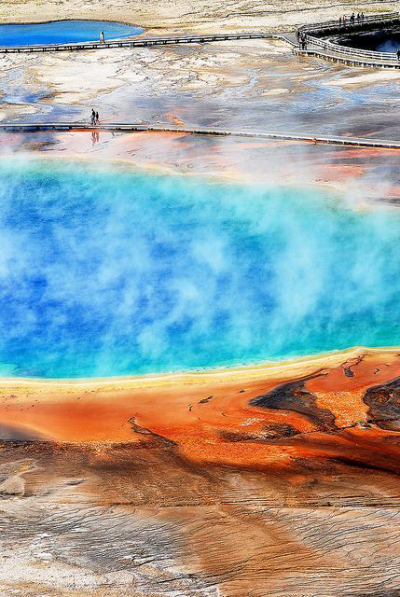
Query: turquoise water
x: 60, y: 32
x: 109, y: 272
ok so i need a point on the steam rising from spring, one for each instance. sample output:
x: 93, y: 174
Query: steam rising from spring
x: 110, y: 272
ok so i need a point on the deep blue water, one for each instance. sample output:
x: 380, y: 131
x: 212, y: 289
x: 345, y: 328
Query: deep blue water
x: 389, y: 45
x: 109, y: 272
x: 59, y: 32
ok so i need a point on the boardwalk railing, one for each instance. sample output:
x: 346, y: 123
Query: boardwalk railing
x: 331, y: 50
x: 351, y: 51
x: 371, y: 19
x: 349, y: 59
x: 132, y: 43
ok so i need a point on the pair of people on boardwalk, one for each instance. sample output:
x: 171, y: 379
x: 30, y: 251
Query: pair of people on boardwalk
x: 95, y: 117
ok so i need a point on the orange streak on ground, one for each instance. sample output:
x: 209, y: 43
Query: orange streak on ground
x: 174, y: 119
x: 224, y: 427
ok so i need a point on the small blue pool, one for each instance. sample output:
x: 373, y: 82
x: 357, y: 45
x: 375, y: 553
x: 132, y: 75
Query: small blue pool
x: 60, y: 32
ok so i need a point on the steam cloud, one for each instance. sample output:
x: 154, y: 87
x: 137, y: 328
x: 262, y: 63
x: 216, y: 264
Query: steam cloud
x: 108, y: 272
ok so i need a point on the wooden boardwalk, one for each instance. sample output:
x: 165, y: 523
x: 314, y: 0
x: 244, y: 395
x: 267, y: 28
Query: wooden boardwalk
x: 143, y: 42
x: 26, y: 127
x: 323, y: 41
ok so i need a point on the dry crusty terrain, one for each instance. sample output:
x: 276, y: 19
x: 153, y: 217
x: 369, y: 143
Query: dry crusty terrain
x: 209, y: 15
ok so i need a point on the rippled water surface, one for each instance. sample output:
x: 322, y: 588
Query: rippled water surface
x: 63, y: 32
x: 110, y: 272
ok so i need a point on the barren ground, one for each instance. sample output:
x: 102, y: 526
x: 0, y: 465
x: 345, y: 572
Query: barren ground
x: 199, y: 15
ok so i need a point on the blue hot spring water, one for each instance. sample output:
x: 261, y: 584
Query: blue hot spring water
x: 113, y: 272
x: 389, y: 45
x: 59, y: 32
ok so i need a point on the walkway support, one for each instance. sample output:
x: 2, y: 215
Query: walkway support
x: 26, y: 127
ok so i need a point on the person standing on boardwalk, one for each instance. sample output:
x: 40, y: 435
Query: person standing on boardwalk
x: 93, y: 117
x: 97, y: 121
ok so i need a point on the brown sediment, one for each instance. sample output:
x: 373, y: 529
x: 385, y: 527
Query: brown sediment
x: 384, y: 404
x: 293, y: 396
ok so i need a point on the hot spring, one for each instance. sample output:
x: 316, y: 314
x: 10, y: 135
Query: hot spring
x: 109, y: 271
x: 60, y: 32
x: 379, y: 40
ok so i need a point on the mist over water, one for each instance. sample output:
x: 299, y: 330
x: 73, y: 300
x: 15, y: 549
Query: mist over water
x: 390, y: 45
x: 111, y: 272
